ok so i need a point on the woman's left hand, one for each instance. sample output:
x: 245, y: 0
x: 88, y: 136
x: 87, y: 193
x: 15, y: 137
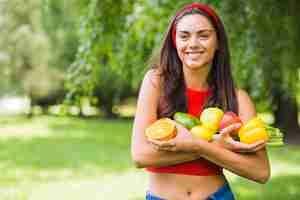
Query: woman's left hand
x: 225, y: 140
x: 184, y: 141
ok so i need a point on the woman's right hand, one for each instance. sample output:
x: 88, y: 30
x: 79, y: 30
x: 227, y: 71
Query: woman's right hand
x: 225, y: 140
x: 183, y: 142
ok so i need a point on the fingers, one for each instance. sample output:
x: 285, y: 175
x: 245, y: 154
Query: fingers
x: 259, y: 145
x: 178, y: 125
x: 163, y: 145
x: 181, y: 129
x: 216, y: 136
x: 250, y: 148
x: 259, y: 148
x: 230, y: 128
x: 245, y: 148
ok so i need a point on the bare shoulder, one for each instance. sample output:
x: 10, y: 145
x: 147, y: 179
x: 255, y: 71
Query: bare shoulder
x: 153, y: 78
x: 245, y: 104
x: 242, y: 95
x: 148, y: 96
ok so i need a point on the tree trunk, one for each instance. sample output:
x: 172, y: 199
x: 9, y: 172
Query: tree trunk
x: 286, y: 118
x: 107, y: 107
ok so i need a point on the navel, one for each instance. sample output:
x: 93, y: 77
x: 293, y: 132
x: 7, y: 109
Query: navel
x: 189, y: 193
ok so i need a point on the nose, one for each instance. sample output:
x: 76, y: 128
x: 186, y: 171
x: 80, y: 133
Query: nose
x: 193, y: 42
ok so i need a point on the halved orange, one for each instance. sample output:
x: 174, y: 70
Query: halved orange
x: 162, y: 129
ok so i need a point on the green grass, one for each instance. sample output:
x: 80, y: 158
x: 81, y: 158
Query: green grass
x: 284, y: 182
x: 69, y: 158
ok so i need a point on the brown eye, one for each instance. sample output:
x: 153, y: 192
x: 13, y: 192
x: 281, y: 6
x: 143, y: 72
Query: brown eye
x: 204, y: 36
x: 183, y: 37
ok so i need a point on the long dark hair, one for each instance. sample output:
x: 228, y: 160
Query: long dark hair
x: 173, y: 98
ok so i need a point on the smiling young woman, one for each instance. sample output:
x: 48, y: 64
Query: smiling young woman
x: 196, y: 42
x: 193, y: 73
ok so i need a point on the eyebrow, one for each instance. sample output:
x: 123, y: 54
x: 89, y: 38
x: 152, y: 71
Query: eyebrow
x: 199, y: 31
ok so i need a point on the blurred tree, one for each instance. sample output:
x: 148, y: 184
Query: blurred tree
x: 27, y: 48
x: 60, y: 20
x: 265, y: 34
x: 97, y: 70
x: 38, y: 42
x: 116, y: 39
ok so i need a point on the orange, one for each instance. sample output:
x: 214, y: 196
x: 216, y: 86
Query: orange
x: 254, y: 135
x: 203, y: 132
x: 163, y: 129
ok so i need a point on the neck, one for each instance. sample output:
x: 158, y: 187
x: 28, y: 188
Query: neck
x: 196, y: 78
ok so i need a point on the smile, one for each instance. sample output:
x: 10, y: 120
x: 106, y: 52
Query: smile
x: 195, y: 52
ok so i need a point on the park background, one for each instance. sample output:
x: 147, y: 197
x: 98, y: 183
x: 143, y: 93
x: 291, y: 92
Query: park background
x: 69, y: 79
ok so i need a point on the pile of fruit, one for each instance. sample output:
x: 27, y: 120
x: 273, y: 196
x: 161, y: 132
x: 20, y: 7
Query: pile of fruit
x: 213, y: 120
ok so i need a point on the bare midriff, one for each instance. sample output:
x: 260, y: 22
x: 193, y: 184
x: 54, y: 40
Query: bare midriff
x: 188, y: 187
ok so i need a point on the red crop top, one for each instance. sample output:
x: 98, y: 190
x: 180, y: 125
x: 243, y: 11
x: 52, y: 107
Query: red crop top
x: 200, y: 167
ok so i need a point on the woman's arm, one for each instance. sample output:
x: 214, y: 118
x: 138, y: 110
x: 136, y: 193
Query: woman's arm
x: 254, y: 166
x: 144, y: 154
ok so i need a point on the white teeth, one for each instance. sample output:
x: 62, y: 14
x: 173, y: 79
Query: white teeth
x: 194, y: 52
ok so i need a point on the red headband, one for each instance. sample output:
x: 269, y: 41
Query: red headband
x: 203, y: 8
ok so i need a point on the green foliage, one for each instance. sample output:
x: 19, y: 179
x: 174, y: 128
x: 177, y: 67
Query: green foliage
x: 242, y: 39
x: 33, y: 47
x: 23, y: 41
x: 37, y: 44
x: 264, y: 39
x: 60, y: 20
x: 97, y: 66
x: 113, y: 51
x: 114, y: 40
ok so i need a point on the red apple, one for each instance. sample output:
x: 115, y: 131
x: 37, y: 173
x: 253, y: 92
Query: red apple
x: 228, y: 119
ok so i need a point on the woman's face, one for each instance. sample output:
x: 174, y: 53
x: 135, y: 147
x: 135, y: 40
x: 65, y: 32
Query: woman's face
x: 196, y: 41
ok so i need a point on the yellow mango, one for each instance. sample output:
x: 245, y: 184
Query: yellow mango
x: 203, y: 132
x: 253, y: 123
x: 254, y: 135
